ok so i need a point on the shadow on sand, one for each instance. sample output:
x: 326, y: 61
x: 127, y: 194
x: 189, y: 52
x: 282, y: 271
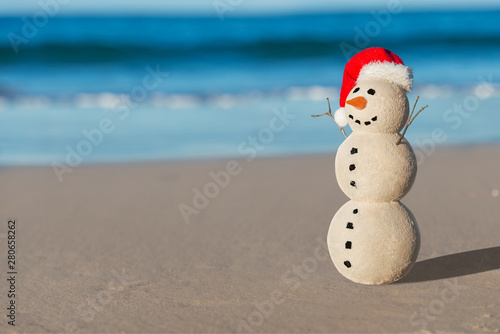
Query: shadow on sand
x: 454, y: 265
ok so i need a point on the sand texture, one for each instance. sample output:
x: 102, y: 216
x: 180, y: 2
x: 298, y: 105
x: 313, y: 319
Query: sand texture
x: 107, y: 250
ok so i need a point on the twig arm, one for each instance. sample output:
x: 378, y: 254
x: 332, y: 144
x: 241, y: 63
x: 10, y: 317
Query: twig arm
x: 329, y: 113
x: 410, y: 120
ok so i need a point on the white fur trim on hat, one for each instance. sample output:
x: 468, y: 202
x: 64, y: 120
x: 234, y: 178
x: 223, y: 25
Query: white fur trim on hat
x: 340, y: 117
x: 396, y: 73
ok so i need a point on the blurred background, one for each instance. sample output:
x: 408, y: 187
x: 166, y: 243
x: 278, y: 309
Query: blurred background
x: 90, y: 76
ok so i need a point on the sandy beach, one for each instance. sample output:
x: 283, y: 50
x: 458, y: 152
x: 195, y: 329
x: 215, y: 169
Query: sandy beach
x: 108, y: 250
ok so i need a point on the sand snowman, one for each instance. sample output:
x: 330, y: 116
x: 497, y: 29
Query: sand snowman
x: 373, y: 238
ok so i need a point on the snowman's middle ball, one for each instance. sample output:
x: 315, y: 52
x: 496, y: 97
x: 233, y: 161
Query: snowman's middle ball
x: 371, y: 167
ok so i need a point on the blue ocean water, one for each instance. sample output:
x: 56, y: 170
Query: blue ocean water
x: 227, y: 80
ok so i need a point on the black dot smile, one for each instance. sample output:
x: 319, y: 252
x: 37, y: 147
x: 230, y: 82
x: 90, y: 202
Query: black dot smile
x: 357, y: 121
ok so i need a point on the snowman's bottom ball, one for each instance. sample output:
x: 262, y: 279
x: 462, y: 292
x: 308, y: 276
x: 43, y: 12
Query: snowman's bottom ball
x: 373, y: 243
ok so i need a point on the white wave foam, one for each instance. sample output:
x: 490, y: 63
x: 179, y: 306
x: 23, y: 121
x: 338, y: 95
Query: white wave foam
x: 108, y: 100
x: 313, y: 93
x: 434, y: 91
x: 175, y: 101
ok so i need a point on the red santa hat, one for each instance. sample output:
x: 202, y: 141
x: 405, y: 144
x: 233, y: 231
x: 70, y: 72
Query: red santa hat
x: 372, y: 63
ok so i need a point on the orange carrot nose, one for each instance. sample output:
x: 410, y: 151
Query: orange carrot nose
x: 358, y: 102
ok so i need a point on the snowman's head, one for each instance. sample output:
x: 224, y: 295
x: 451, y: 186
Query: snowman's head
x: 377, y: 105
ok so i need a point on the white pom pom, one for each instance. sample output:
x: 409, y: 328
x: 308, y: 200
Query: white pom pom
x: 340, y: 117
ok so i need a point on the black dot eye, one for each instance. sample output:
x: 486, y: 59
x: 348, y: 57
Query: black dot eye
x: 356, y: 90
x: 371, y: 91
